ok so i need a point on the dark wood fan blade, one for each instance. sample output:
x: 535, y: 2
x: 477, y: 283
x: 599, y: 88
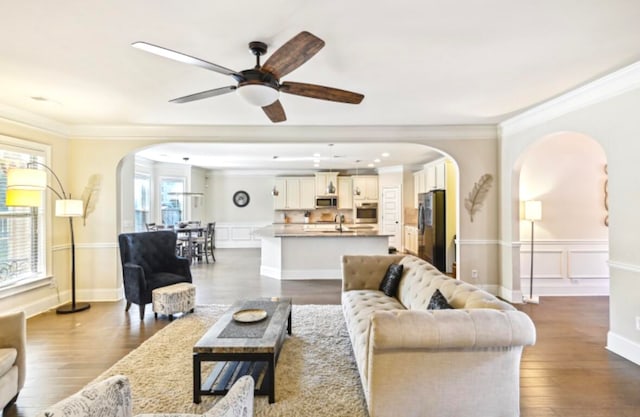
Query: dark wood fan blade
x: 187, y: 59
x: 275, y: 112
x: 204, y: 94
x: 321, y: 92
x: 293, y: 54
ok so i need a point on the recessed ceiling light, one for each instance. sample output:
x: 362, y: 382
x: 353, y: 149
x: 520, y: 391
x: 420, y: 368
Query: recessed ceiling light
x: 377, y: 160
x: 316, y: 161
x: 385, y: 154
x: 316, y: 155
x: 370, y: 165
x: 316, y: 165
x: 46, y: 100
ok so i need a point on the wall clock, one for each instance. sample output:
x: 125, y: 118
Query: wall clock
x: 241, y: 198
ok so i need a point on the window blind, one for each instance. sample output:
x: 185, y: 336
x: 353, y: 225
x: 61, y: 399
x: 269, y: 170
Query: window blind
x: 21, y: 237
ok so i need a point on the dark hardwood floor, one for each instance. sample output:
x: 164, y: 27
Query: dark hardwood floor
x: 567, y: 373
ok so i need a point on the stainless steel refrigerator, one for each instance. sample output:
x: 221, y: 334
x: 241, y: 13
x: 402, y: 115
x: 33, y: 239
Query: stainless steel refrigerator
x: 432, y: 239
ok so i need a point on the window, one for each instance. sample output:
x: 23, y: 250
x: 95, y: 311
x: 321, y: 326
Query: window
x: 21, y: 228
x: 171, y: 200
x: 142, y: 185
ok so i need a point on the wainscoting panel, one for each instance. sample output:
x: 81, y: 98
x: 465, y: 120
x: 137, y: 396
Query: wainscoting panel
x: 588, y: 264
x: 238, y: 235
x: 566, y: 268
x: 547, y: 263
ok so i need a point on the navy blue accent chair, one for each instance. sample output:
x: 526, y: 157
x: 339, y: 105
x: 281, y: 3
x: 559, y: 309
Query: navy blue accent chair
x: 149, y: 261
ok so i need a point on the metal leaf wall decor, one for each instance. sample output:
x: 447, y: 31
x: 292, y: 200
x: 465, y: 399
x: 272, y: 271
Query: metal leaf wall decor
x: 473, y: 203
x: 90, y: 196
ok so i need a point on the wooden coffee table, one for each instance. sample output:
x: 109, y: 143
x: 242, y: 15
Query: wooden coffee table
x: 239, y: 349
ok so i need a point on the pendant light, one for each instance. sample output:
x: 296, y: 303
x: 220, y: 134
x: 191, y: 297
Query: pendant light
x: 331, y: 189
x: 356, y: 190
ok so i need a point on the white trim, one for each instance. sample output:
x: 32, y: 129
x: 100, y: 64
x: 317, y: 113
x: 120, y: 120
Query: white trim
x: 470, y: 242
x: 616, y: 83
x: 624, y: 347
x: 512, y: 296
x: 237, y: 244
x: 28, y: 284
x: 32, y: 121
x: 623, y: 266
x: 302, y: 274
x: 597, y: 242
x: 356, y: 133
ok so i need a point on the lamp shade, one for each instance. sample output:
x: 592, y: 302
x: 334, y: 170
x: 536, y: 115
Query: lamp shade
x: 258, y: 94
x: 23, y: 198
x: 26, y: 179
x: 533, y: 210
x: 68, y: 208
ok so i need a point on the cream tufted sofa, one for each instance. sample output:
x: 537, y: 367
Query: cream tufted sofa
x: 418, y: 362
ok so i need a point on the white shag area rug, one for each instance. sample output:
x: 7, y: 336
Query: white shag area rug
x: 316, y: 374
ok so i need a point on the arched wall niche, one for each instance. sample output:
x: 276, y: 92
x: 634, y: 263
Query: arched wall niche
x: 566, y: 172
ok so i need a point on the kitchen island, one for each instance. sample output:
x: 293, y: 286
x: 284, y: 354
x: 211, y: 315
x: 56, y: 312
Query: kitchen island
x: 297, y: 251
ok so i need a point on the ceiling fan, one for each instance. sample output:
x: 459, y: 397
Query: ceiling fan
x: 261, y: 85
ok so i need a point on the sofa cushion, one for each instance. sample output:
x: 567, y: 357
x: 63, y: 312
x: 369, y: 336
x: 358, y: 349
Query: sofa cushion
x: 391, y: 280
x: 438, y: 302
x: 7, y: 359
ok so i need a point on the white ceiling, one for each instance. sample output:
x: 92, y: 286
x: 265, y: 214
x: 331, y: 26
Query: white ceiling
x: 426, y: 62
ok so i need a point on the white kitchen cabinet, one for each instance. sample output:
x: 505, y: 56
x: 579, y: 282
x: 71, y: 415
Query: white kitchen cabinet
x: 295, y: 193
x: 322, y: 182
x: 411, y: 239
x: 345, y: 193
x: 368, y: 187
x: 307, y: 193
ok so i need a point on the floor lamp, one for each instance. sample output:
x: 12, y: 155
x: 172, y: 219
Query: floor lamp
x: 24, y: 188
x: 532, y: 213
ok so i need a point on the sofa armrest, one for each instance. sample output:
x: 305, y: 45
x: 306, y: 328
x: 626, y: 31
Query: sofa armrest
x: 238, y: 402
x: 365, y: 272
x: 110, y: 397
x: 450, y: 329
x: 13, y: 333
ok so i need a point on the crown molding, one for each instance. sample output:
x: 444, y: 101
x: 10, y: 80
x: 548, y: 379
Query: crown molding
x: 417, y: 133
x: 33, y: 121
x: 611, y: 85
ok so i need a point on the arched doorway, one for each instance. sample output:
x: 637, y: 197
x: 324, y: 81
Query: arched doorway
x: 566, y: 172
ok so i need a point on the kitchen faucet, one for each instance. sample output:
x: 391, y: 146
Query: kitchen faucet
x: 339, y: 218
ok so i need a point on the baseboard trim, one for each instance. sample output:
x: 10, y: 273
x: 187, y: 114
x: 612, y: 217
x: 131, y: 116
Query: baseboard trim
x: 624, y: 347
x: 303, y: 274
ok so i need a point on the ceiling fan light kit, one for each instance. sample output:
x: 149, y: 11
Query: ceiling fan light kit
x: 261, y: 86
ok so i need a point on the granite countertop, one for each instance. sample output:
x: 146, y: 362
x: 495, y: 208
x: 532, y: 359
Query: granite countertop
x: 319, y: 230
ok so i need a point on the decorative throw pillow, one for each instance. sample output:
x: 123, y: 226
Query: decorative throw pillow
x: 438, y: 302
x: 391, y: 280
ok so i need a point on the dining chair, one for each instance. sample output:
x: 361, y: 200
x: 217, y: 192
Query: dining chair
x: 211, y: 240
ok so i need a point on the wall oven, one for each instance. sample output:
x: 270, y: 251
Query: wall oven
x: 365, y: 212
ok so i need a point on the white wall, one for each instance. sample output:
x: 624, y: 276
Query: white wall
x: 605, y: 110
x: 565, y: 171
x: 222, y: 186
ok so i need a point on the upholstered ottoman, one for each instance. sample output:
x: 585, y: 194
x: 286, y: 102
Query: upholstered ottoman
x: 176, y: 298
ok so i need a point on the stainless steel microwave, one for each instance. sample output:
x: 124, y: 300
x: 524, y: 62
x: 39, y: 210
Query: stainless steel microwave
x: 325, y: 202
